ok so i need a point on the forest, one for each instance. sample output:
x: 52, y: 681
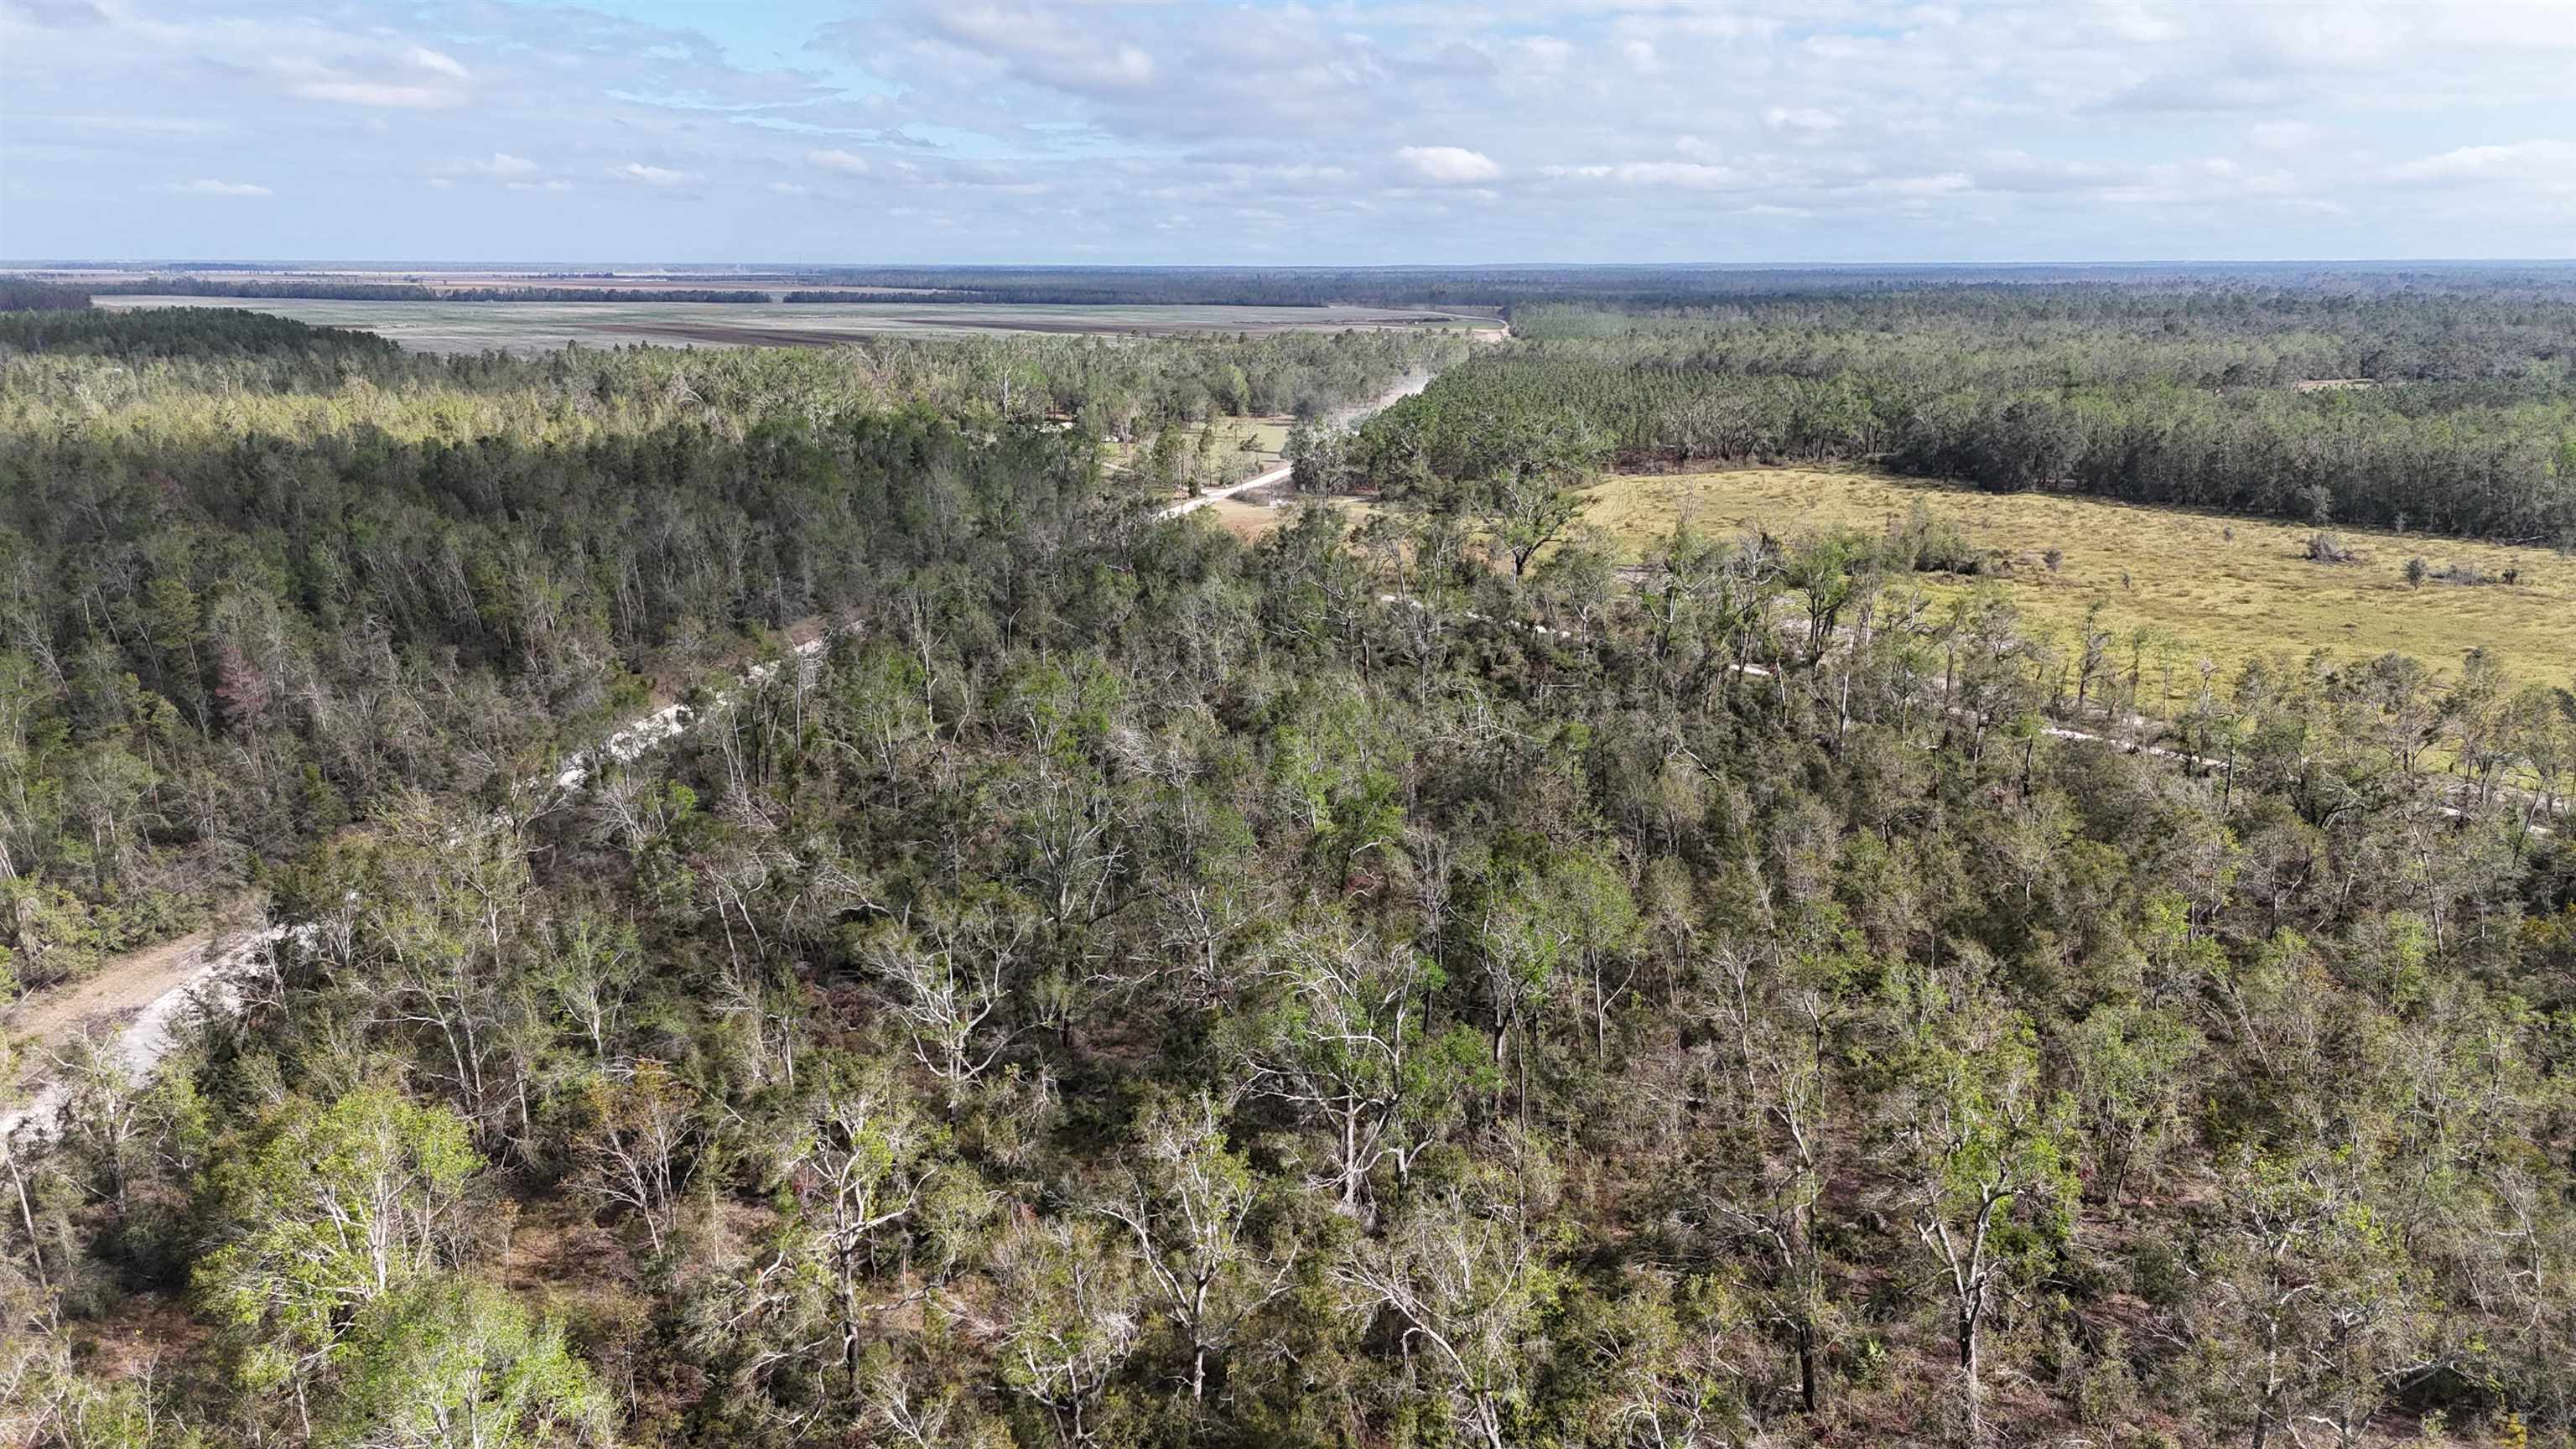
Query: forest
x: 1396, y: 983
x: 2450, y: 408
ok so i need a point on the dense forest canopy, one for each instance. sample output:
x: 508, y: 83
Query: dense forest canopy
x: 1133, y: 986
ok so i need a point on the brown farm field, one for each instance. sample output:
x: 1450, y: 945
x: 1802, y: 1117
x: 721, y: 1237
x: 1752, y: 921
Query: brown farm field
x: 2222, y: 588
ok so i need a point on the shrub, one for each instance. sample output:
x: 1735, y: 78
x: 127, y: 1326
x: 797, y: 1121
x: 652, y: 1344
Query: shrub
x: 2327, y: 547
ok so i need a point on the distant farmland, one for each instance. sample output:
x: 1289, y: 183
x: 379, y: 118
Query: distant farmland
x: 526, y: 327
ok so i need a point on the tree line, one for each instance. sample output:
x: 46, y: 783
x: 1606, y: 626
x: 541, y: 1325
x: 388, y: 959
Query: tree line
x: 2448, y: 411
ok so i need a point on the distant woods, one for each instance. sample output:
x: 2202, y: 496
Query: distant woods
x: 2452, y: 410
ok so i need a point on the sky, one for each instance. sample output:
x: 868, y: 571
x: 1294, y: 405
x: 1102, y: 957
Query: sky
x: 1426, y: 131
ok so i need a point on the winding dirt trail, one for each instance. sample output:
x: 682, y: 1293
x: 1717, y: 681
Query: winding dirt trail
x: 1340, y: 417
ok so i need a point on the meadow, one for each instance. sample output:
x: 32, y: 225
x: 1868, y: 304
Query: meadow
x: 527, y: 328
x: 2203, y: 585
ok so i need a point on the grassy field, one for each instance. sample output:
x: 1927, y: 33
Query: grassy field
x: 527, y: 327
x: 2227, y: 589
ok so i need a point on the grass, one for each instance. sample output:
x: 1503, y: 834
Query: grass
x: 2222, y: 588
x: 1269, y: 443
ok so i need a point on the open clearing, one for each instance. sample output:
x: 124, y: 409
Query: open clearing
x: 529, y: 327
x: 2226, y: 598
x: 2204, y: 586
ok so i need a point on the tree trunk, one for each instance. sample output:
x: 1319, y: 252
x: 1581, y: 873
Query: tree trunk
x: 1968, y: 1371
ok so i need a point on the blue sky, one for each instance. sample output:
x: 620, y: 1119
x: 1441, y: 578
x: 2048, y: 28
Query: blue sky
x: 1177, y: 131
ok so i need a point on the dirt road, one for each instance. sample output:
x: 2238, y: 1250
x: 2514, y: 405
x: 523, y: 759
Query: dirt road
x: 1342, y: 417
x: 141, y: 998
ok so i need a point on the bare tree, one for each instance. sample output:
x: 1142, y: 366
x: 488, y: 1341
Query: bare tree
x: 1186, y: 1199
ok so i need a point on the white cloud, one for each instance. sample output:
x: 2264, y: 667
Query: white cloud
x: 1449, y: 165
x: 208, y: 187
x: 1942, y: 184
x: 1681, y: 175
x: 432, y: 60
x: 790, y: 188
x: 1073, y: 52
x: 377, y: 93
x: 1801, y: 118
x: 2546, y: 164
x: 1159, y: 131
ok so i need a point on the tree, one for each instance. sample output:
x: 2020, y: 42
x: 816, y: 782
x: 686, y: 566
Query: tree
x: 1341, y: 1041
x: 339, y: 1206
x: 1530, y: 467
x: 1319, y: 458
x: 1984, y: 1156
x: 1066, y: 1301
x: 871, y: 1150
x: 450, y: 1363
x: 1467, y: 1275
x: 1773, y: 1042
x: 1188, y: 1200
x: 635, y: 1145
x: 2311, y: 1311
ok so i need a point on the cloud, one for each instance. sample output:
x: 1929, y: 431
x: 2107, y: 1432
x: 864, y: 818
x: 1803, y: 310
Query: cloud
x: 431, y: 60
x: 1149, y: 130
x: 206, y: 187
x: 412, y: 78
x: 1684, y: 175
x: 56, y: 14
x: 2284, y: 135
x: 1071, y: 52
x: 1449, y: 165
x: 1942, y: 184
x: 2544, y: 163
x: 1801, y: 118
x: 790, y: 188
x: 376, y: 93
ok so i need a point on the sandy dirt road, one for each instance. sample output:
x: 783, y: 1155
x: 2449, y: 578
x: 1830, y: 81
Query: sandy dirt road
x: 128, y: 984
x: 1342, y: 417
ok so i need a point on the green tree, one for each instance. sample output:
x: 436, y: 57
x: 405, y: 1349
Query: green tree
x: 1984, y: 1156
x: 450, y: 1363
x: 336, y: 1207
